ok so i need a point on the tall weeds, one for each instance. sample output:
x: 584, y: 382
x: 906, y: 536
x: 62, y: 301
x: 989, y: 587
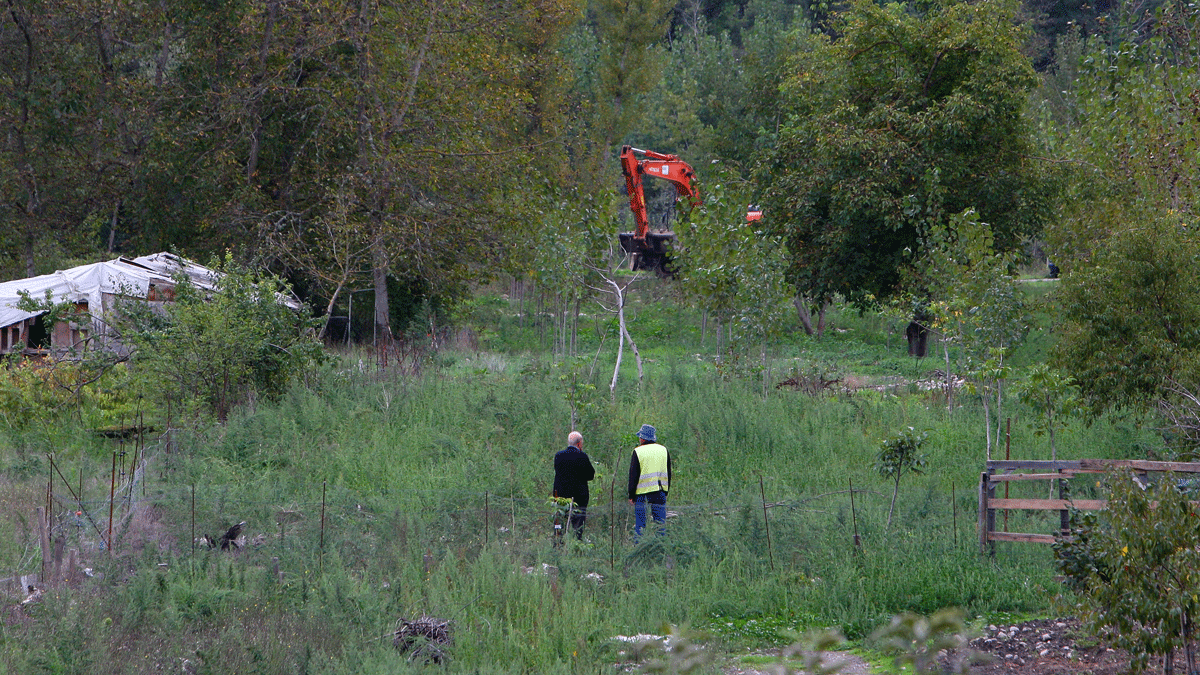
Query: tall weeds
x: 428, y: 496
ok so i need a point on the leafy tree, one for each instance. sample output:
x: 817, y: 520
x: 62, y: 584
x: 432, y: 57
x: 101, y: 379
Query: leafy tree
x: 733, y: 269
x: 1130, y: 320
x: 975, y: 303
x: 1127, y: 125
x: 724, y: 84
x: 1133, y: 568
x: 566, y: 263
x: 304, y: 132
x: 70, y: 104
x: 333, y: 250
x: 898, y: 455
x: 988, y: 378
x: 629, y: 36
x: 219, y: 349
x: 1126, y: 242
x: 910, y: 113
x: 1053, y: 395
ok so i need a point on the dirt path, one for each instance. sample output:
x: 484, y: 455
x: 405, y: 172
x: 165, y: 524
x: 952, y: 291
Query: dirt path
x: 1038, y: 647
x: 1047, y: 647
x: 852, y: 664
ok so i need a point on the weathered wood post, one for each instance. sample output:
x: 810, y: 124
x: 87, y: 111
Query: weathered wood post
x: 1064, y: 516
x: 112, y: 491
x: 43, y: 539
x: 984, y: 531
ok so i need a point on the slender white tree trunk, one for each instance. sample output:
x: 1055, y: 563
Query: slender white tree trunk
x: 637, y: 356
x: 612, y: 386
x: 949, y: 376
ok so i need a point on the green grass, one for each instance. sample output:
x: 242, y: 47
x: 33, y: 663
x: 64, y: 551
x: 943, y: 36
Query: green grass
x: 435, y: 501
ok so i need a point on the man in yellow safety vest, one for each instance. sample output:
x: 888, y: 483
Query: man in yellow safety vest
x: 649, y: 481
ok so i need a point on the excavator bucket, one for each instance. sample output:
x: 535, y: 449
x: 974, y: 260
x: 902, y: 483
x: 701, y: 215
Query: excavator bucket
x: 652, y: 253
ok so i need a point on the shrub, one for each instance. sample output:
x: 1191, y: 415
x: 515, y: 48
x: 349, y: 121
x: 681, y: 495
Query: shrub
x: 221, y: 347
x: 1133, y: 567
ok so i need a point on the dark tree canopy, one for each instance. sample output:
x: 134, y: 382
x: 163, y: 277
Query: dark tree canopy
x: 903, y: 118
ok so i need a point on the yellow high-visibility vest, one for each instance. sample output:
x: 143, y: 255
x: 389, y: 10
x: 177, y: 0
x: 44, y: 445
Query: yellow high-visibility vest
x: 652, y: 459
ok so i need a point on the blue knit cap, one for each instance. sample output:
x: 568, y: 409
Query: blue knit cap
x: 646, y: 433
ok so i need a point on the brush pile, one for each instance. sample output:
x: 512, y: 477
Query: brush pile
x: 424, y: 639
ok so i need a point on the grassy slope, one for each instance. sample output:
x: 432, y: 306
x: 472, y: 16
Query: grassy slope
x: 435, y: 501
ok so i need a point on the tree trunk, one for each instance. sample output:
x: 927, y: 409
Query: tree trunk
x: 264, y: 50
x: 892, y: 508
x: 719, y: 334
x: 1050, y: 415
x: 821, y: 319
x: 575, y: 328
x: 612, y: 386
x: 949, y: 375
x: 1189, y: 655
x: 987, y: 423
x: 637, y: 356
x: 766, y: 370
x: 918, y: 336
x: 804, y: 314
x: 112, y: 226
x: 999, y: 411
x: 379, y: 274
x: 329, y: 312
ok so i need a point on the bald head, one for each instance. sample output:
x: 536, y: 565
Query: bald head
x: 575, y: 439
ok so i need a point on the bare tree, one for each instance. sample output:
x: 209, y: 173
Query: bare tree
x: 618, y: 293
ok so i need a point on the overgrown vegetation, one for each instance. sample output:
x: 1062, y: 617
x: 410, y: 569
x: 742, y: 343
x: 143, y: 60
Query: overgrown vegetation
x: 909, y: 161
x: 1133, y: 566
x: 216, y: 349
x: 373, y: 495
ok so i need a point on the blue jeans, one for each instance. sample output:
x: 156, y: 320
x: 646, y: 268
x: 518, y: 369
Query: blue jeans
x: 658, y: 509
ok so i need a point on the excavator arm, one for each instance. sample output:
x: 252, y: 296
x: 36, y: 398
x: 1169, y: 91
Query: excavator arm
x: 650, y: 249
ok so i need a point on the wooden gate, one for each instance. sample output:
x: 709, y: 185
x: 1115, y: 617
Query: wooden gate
x: 1006, y: 471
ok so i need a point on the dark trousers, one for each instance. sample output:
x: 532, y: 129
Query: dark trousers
x: 658, y: 509
x: 578, y: 516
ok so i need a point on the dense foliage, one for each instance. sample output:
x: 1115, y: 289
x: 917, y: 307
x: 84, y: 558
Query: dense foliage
x: 220, y: 348
x: 900, y: 120
x: 1133, y: 567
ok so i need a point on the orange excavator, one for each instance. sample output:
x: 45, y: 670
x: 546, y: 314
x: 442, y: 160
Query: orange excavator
x: 650, y: 250
x: 647, y: 249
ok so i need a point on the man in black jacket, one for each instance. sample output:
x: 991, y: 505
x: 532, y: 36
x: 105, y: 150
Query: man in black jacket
x: 572, y: 471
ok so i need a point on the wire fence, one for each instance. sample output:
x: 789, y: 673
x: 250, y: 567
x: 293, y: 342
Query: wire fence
x: 148, y: 509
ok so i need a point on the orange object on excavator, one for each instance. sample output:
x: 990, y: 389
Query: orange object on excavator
x: 649, y: 249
